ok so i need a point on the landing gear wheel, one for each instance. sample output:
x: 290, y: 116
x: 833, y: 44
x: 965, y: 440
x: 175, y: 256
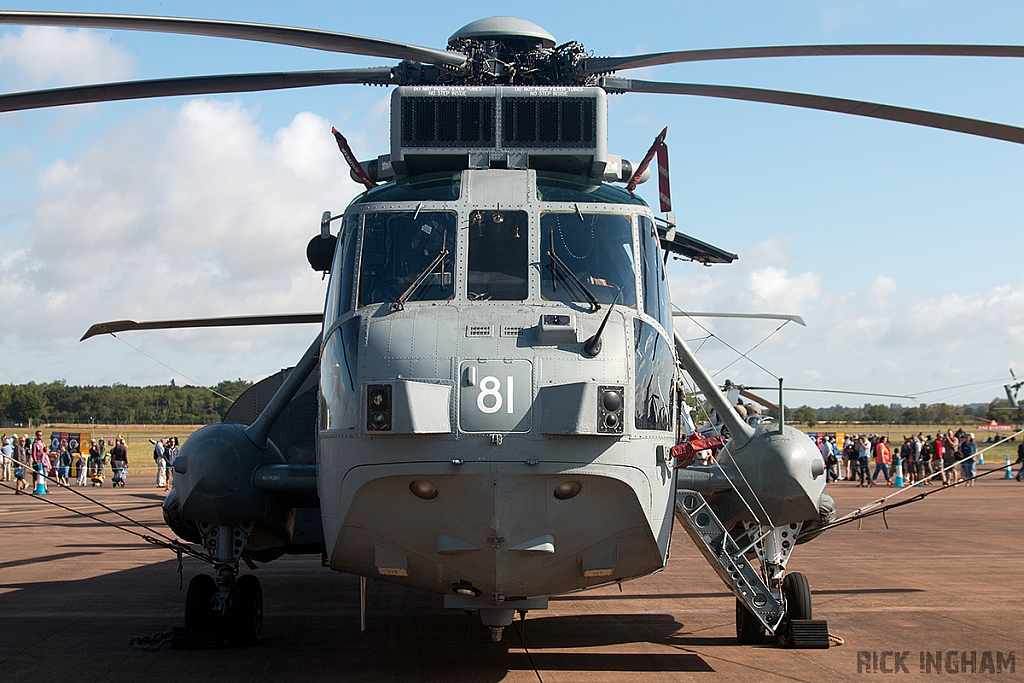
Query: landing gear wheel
x: 199, y: 601
x: 749, y: 629
x: 797, y: 593
x: 243, y: 613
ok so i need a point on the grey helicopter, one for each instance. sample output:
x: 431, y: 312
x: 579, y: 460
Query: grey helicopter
x: 492, y: 410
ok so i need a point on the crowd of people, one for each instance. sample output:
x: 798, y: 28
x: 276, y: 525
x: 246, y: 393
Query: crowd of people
x: 948, y: 458
x: 24, y: 457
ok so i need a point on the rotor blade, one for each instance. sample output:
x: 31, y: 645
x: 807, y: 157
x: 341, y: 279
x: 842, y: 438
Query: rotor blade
x: 264, y: 33
x: 763, y: 401
x: 917, y: 117
x: 229, y: 321
x: 190, y: 85
x: 595, y: 65
x: 835, y: 391
x: 767, y: 316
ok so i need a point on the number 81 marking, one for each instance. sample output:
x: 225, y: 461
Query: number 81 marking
x: 491, y: 386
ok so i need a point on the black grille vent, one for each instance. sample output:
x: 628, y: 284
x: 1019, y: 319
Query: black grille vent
x: 447, y: 122
x: 568, y: 122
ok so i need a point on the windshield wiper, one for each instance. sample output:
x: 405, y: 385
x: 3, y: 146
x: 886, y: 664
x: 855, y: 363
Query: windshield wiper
x: 557, y: 263
x: 399, y: 304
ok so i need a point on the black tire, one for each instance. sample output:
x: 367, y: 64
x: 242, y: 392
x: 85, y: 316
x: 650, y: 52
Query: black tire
x: 749, y: 630
x: 797, y: 592
x: 199, y: 601
x: 243, y: 613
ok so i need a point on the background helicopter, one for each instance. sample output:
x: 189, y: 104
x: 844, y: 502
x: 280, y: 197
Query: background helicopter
x: 493, y: 71
x: 1011, y: 391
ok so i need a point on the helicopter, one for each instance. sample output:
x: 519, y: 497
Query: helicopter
x: 1011, y: 391
x: 490, y: 411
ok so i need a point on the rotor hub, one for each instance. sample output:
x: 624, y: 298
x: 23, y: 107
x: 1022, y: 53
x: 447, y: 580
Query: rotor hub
x: 503, y: 51
x: 511, y: 31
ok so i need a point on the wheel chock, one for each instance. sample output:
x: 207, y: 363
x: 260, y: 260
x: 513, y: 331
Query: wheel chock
x: 809, y: 634
x: 198, y: 638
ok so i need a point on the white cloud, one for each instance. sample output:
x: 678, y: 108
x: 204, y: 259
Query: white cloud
x: 191, y: 212
x: 882, y: 286
x: 40, y: 56
x: 774, y: 286
x: 879, y: 338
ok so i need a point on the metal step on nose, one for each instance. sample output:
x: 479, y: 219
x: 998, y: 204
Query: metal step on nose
x: 727, y: 559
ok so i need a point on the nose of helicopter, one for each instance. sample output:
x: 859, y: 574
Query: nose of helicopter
x: 498, y: 531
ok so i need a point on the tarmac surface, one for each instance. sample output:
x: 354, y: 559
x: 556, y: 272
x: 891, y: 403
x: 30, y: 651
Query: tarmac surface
x: 942, y: 579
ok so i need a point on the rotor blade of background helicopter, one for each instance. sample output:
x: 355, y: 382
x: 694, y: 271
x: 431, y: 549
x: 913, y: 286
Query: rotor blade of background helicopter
x: 190, y: 85
x: 763, y: 401
x: 767, y: 316
x: 834, y: 391
x: 264, y: 33
x: 917, y: 117
x: 229, y: 321
x: 594, y: 65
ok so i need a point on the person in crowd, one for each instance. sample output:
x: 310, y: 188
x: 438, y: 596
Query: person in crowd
x: 63, y: 465
x: 20, y: 464
x: 119, y: 463
x: 968, y: 449
x: 83, y: 468
x: 950, y: 449
x: 907, y: 461
x: 863, y: 455
x: 831, y: 461
x: 170, y: 455
x: 938, y: 458
x: 920, y: 460
x: 7, y: 455
x: 824, y: 449
x: 96, y: 468
x: 837, y: 453
x: 883, y: 456
x: 1020, y: 461
x: 924, y: 459
x: 40, y: 459
x: 159, y: 455
x: 850, y: 457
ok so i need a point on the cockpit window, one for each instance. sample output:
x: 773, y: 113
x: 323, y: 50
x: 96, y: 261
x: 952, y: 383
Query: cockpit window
x: 399, y: 248
x: 498, y: 256
x: 432, y: 187
x: 558, y: 187
x: 652, y: 275
x: 598, y: 251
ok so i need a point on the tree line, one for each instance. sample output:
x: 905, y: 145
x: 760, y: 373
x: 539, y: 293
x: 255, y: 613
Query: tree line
x: 935, y: 413
x: 32, y: 403
x: 50, y: 402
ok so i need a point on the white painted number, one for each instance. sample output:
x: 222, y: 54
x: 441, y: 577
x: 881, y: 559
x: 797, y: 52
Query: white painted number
x: 491, y: 386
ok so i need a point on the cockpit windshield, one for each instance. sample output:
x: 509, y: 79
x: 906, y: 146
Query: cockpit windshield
x: 597, y: 248
x: 399, y: 248
x: 498, y: 256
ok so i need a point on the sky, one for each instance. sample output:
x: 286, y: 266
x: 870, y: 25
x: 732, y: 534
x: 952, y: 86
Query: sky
x: 901, y: 247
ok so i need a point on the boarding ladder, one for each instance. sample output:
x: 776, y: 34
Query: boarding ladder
x: 727, y: 558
